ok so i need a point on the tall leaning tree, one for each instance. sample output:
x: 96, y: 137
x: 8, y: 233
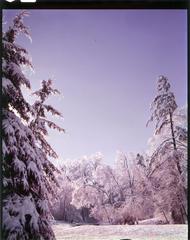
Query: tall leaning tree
x: 163, y: 108
x: 27, y: 174
x: 168, y: 155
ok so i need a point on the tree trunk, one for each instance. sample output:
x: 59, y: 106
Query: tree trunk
x: 165, y: 217
x: 172, y: 131
x: 184, y: 210
x: 182, y: 216
x: 109, y: 220
x: 174, y: 142
x: 83, y: 214
x: 64, y: 211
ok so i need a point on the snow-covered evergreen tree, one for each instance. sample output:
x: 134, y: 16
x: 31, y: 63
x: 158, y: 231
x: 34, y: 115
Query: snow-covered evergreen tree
x: 26, y: 182
x: 40, y: 122
x: 39, y: 125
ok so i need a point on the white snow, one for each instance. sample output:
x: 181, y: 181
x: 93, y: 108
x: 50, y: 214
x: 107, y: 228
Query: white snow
x: 65, y: 231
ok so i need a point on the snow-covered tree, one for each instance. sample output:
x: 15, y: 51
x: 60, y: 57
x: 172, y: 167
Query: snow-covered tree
x: 167, y: 185
x: 26, y: 185
x: 14, y: 57
x: 40, y: 122
x: 93, y: 189
x: 61, y: 207
x: 169, y: 157
x: 112, y: 195
x: 163, y: 107
x: 75, y: 200
x: 131, y: 173
x: 180, y: 124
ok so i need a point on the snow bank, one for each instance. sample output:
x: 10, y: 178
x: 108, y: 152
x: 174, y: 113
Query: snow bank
x: 118, y: 232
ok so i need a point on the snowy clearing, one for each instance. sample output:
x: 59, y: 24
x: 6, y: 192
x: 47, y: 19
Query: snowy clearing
x: 121, y: 232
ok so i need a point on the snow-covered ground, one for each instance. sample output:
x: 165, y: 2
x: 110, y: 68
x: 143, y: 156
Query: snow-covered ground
x: 120, y: 232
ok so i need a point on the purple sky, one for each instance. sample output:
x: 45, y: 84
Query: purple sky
x: 106, y: 63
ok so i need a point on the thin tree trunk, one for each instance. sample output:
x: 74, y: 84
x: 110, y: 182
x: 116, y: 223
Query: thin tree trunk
x: 174, y: 142
x: 165, y: 217
x: 182, y: 216
x: 64, y: 212
x: 107, y: 214
x: 184, y: 210
x: 172, y: 131
x: 83, y: 214
x: 129, y: 175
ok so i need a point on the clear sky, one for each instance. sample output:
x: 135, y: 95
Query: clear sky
x: 106, y: 63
